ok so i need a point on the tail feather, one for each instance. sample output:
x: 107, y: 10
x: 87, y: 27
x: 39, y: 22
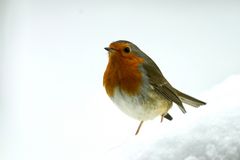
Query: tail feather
x: 190, y: 100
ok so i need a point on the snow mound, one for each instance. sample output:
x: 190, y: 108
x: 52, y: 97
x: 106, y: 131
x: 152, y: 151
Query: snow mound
x: 209, y: 133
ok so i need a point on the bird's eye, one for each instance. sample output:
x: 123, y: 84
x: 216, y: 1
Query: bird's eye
x: 126, y: 50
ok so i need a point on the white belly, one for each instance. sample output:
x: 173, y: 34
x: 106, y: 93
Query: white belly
x: 144, y: 107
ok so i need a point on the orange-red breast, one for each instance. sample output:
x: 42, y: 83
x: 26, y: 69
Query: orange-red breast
x: 136, y: 85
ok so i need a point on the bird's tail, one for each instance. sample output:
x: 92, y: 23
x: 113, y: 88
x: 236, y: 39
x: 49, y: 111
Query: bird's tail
x: 189, y: 100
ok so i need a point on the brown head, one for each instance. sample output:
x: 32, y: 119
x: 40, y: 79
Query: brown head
x: 123, y: 68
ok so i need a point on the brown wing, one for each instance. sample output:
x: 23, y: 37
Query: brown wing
x: 160, y: 84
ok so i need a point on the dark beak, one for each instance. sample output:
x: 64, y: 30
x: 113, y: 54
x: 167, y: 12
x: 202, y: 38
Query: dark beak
x: 106, y: 48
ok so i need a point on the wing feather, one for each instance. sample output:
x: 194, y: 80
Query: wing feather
x: 160, y: 84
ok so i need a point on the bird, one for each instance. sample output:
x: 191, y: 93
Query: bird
x: 137, y: 86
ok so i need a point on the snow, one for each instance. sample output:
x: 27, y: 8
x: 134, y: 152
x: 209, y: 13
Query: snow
x: 53, y: 104
x: 212, y: 131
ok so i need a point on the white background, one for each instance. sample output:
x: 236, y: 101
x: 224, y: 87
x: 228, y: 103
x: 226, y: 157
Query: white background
x: 53, y: 104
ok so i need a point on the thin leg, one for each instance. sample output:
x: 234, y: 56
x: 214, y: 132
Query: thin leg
x: 162, y: 118
x: 138, y: 129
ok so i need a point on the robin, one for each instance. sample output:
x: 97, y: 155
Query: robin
x: 137, y: 86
